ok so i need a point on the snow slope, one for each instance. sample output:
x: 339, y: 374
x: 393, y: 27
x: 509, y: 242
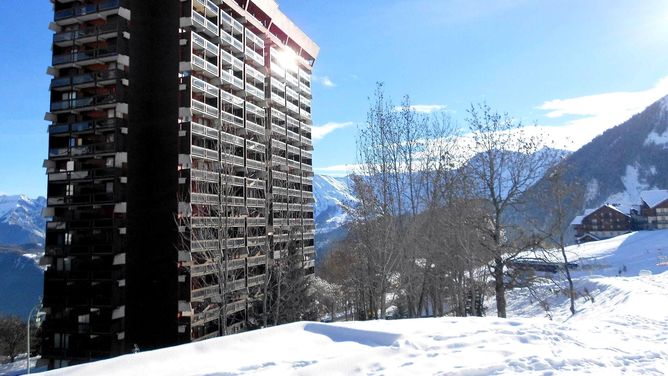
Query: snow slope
x: 331, y: 195
x: 625, y: 331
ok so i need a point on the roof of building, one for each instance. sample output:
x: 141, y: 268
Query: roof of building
x: 578, y: 220
x: 655, y: 197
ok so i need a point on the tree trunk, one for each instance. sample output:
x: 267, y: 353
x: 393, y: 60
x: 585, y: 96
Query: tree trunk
x: 499, y: 287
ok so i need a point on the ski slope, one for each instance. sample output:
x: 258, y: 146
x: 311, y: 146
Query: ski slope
x: 624, y: 331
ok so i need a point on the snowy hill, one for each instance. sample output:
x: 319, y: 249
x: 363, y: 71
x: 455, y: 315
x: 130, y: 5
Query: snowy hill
x: 624, y: 331
x: 21, y: 220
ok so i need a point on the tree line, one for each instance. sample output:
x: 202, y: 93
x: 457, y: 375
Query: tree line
x: 441, y: 213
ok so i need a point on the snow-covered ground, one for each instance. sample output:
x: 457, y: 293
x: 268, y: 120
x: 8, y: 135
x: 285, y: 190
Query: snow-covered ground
x: 624, y: 331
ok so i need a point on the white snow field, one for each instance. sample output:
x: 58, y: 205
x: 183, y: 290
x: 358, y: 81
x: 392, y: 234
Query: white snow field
x: 624, y: 331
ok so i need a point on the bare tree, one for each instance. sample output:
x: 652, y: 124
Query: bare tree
x: 508, y: 162
x: 12, y: 336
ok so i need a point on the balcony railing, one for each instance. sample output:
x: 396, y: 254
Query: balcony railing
x: 198, y: 41
x: 227, y: 20
x: 204, y: 153
x: 205, y: 66
x: 85, y: 126
x: 253, y: 127
x: 228, y: 77
x: 255, y: 91
x: 204, y: 87
x: 112, y: 28
x: 231, y: 41
x: 72, y: 104
x: 77, y: 57
x: 87, y: 78
x: 203, y: 130
x: 254, y: 56
x: 256, y: 280
x: 86, y: 9
x: 226, y: 57
x: 204, y: 108
x: 204, y: 23
x: 251, y: 37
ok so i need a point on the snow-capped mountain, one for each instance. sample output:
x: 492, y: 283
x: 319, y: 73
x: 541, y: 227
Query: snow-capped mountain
x: 21, y: 220
x: 623, y: 161
x: 332, y: 195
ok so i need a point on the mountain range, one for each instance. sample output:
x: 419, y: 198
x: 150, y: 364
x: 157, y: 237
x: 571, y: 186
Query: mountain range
x: 615, y: 167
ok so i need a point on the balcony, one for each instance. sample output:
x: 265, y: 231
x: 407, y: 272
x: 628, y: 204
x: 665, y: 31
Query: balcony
x: 256, y: 280
x: 254, y: 74
x: 229, y: 60
x: 231, y: 23
x: 292, y: 136
x: 97, y: 102
x: 255, y: 91
x: 86, y: 80
x: 292, y: 80
x: 205, y: 67
x: 254, y: 57
x: 199, y: 20
x: 292, y: 107
x: 257, y: 260
x: 204, y: 198
x: 205, y: 317
x: 257, y: 241
x: 277, y: 99
x: 252, y: 38
x: 228, y: 40
x: 89, y: 34
x: 309, y: 250
x: 203, y: 87
x: 255, y: 128
x: 255, y: 165
x: 305, y: 115
x: 87, y: 12
x: 204, y: 109
x: 204, y: 131
x: 204, y: 153
x: 237, y: 285
x: 227, y: 77
x: 202, y: 175
x: 309, y: 264
x: 308, y: 144
x: 201, y: 44
x: 233, y: 160
x: 86, y: 126
x: 235, y: 307
x: 232, y: 140
x: 96, y: 56
x: 256, y: 147
x: 205, y: 293
x: 305, y: 88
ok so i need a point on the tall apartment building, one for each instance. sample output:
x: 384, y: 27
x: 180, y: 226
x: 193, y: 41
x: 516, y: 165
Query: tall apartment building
x: 179, y: 170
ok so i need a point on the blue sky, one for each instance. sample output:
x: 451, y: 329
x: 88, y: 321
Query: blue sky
x: 575, y: 67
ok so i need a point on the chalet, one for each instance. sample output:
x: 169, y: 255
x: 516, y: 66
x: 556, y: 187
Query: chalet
x: 606, y: 221
x: 654, y: 207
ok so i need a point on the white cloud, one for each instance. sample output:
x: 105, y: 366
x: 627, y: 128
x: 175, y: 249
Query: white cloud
x: 318, y: 132
x: 324, y: 81
x: 596, y: 113
x: 337, y: 170
x: 424, y: 108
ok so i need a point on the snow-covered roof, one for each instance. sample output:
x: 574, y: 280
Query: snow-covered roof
x: 577, y: 220
x: 655, y: 197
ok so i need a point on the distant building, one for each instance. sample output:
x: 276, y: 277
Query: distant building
x: 654, y: 208
x: 608, y: 221
x: 604, y: 222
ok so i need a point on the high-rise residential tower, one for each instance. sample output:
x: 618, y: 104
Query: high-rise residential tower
x: 179, y: 171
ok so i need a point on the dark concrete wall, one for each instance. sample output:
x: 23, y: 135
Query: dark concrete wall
x: 151, y: 308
